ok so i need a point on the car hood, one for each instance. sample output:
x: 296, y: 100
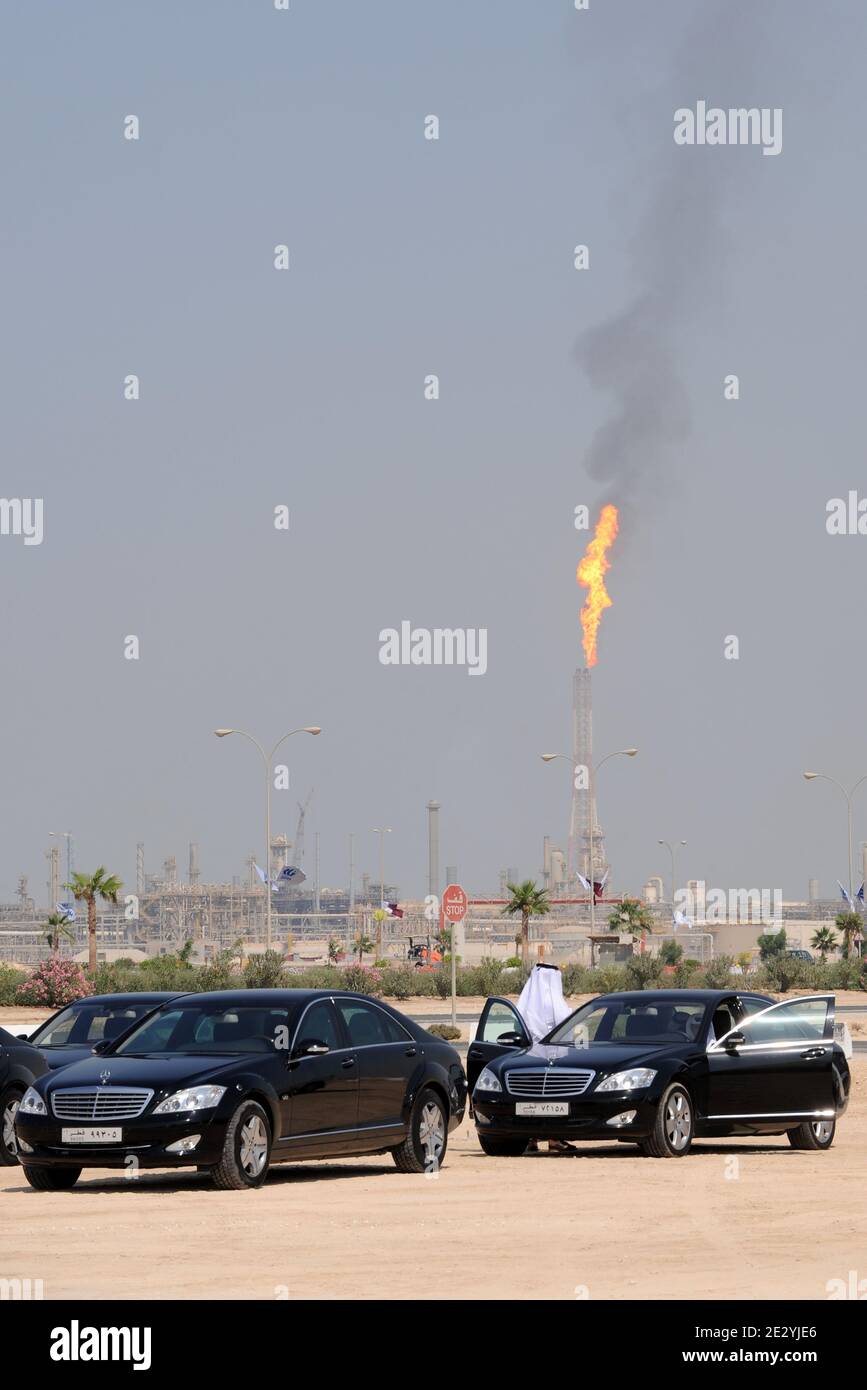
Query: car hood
x: 64, y: 1056
x: 598, y: 1057
x: 156, y: 1072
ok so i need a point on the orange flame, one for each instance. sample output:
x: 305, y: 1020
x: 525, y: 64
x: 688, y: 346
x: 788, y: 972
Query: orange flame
x: 593, y: 567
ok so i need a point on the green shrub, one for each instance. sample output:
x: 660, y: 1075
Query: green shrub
x: 267, y: 971
x: 512, y: 963
x: 10, y: 979
x: 442, y: 982
x: 217, y: 974
x: 718, y: 972
x: 362, y: 979
x: 398, y: 982
x: 445, y: 1030
x: 608, y: 979
x: 643, y: 972
x: 671, y: 952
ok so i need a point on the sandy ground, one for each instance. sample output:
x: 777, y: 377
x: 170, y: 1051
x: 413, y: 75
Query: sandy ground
x: 747, y: 1219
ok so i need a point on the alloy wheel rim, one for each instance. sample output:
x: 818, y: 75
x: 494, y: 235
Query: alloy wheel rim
x: 254, y: 1146
x: 432, y: 1130
x: 822, y: 1130
x: 9, y: 1140
x: 678, y: 1121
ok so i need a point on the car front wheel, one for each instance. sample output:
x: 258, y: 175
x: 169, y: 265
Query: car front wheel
x: 424, y: 1147
x: 813, y: 1134
x: 52, y: 1179
x: 504, y: 1148
x: 246, y: 1149
x: 673, y: 1127
x: 9, y: 1103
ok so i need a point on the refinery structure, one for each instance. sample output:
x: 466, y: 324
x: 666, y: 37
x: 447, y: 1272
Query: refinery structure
x: 311, y: 922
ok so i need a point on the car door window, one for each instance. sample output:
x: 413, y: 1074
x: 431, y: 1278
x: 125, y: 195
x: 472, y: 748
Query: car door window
x: 365, y: 1024
x: 320, y: 1024
x: 793, y: 1021
x: 501, y: 1018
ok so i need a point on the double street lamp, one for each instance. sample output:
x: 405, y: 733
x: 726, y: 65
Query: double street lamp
x: 618, y: 753
x: 268, y: 760
x: 812, y: 777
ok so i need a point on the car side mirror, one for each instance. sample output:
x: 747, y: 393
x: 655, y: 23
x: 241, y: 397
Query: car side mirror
x: 314, y: 1048
x: 512, y: 1040
x: 22, y: 1037
x: 102, y: 1046
x: 734, y: 1041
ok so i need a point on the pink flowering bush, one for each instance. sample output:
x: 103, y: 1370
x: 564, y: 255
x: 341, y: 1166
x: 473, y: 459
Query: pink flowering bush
x: 54, y: 983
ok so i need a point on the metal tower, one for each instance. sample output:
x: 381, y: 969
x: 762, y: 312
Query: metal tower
x: 583, y: 796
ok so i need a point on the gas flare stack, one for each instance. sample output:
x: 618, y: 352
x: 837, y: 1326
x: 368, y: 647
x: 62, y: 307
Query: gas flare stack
x: 583, y: 791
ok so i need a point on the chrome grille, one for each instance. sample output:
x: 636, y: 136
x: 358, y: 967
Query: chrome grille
x: 548, y: 1083
x: 100, y: 1103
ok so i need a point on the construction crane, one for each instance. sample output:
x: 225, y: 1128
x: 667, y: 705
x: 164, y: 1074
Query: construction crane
x: 298, y: 843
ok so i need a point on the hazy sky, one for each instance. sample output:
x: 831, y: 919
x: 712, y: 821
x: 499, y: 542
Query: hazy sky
x: 305, y: 387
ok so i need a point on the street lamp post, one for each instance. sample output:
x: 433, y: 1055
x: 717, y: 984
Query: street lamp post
x: 268, y: 760
x: 672, y: 851
x: 618, y: 753
x: 813, y: 776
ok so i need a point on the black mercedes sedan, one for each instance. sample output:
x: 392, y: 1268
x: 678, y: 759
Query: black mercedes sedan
x: 20, y: 1065
x: 660, y: 1068
x: 73, y: 1032
x: 230, y: 1082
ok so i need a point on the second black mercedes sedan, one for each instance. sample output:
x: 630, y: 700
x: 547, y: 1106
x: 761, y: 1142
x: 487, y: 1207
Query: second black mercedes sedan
x: 659, y: 1068
x: 229, y: 1082
x: 73, y: 1032
x: 20, y: 1064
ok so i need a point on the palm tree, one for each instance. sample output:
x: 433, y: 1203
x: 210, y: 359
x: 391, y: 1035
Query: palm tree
x: 823, y: 940
x: 851, y: 925
x: 362, y: 943
x: 530, y: 901
x: 57, y: 929
x: 86, y: 889
x: 631, y: 916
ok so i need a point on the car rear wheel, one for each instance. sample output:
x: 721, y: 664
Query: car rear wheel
x: 673, y: 1127
x: 504, y: 1148
x: 246, y: 1149
x: 813, y: 1134
x: 9, y: 1103
x: 424, y: 1147
x: 52, y: 1179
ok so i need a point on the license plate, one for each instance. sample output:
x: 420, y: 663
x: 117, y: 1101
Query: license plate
x: 93, y: 1134
x: 542, y: 1107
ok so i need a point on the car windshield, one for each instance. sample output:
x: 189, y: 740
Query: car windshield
x: 88, y: 1023
x: 629, y: 1020
x: 209, y: 1027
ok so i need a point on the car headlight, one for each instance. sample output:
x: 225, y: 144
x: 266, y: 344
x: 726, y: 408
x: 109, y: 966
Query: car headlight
x: 193, y: 1098
x: 633, y: 1080
x: 32, y: 1103
x: 488, y: 1081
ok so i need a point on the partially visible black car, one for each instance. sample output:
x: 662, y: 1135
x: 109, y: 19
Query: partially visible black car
x: 230, y: 1082
x: 20, y: 1065
x: 73, y: 1032
x: 659, y: 1068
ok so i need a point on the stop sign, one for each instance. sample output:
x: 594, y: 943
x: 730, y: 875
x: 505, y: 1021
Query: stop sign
x: 454, y: 903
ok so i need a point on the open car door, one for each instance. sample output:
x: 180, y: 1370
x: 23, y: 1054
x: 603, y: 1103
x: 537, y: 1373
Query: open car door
x: 501, y: 1029
x: 776, y: 1064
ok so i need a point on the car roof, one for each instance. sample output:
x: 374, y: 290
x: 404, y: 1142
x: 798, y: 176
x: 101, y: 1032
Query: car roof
x: 274, y: 996
x: 704, y: 996
x: 142, y: 996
